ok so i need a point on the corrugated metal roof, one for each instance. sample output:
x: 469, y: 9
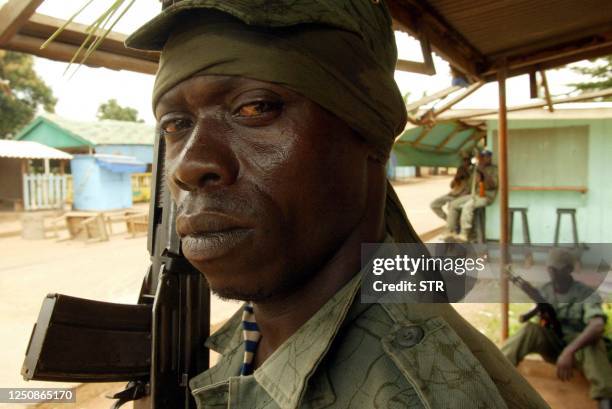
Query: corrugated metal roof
x: 480, y: 36
x: 493, y: 27
x: 437, y: 145
x: 443, y: 137
x: 107, y: 132
x: 30, y: 150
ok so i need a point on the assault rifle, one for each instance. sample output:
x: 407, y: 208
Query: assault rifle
x: 157, y: 344
x: 545, y: 311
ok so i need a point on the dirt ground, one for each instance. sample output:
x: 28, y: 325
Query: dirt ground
x: 110, y: 271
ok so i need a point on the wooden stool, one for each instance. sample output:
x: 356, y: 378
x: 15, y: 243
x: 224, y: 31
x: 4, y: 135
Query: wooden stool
x: 572, y: 213
x: 525, y: 229
x: 524, y: 224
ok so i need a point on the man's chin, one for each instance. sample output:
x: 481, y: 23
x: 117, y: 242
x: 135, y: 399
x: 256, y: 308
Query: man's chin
x: 255, y: 287
x: 240, y: 294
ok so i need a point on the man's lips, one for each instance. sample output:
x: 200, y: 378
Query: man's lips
x: 209, y: 235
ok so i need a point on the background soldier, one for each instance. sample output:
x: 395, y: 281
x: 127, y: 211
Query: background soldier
x: 460, y: 186
x: 482, y: 194
x: 582, y: 324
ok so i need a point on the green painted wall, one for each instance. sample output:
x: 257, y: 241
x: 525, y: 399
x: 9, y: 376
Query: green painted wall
x: 53, y: 136
x: 562, y: 164
x: 408, y: 156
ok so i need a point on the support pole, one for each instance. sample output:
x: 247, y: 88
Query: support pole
x: 502, y: 143
x: 533, y: 85
x: 547, y: 91
x: 24, y: 184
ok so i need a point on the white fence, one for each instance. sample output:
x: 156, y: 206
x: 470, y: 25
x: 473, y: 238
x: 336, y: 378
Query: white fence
x: 44, y: 191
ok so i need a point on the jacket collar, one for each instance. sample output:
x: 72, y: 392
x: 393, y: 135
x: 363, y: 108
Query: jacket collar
x: 229, y: 336
x: 285, y: 374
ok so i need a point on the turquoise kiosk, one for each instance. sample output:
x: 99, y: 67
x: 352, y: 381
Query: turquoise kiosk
x: 103, y: 182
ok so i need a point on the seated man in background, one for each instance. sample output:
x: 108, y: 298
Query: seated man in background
x: 483, y: 190
x: 582, y: 325
x: 460, y: 186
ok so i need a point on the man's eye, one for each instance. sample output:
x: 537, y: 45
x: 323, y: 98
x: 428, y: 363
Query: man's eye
x: 258, y: 108
x: 175, y: 125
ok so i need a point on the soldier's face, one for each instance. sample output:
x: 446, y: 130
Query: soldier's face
x: 561, y: 278
x: 268, y: 184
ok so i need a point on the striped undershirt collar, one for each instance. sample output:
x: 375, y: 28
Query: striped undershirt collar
x: 251, y: 335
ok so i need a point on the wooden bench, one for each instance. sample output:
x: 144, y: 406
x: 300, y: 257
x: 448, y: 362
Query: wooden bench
x: 132, y: 218
x: 88, y: 226
x: 137, y: 224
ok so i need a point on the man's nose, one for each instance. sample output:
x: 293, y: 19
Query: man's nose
x: 206, y: 161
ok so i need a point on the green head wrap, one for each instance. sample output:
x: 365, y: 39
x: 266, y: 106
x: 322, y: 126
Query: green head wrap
x: 340, y: 54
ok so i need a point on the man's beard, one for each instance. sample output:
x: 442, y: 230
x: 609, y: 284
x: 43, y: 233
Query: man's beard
x: 291, y: 279
x: 293, y: 276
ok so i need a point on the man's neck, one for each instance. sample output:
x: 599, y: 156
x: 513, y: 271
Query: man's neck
x: 280, y: 317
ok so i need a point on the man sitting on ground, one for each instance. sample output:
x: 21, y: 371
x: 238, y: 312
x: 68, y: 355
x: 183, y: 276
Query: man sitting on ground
x: 582, y: 325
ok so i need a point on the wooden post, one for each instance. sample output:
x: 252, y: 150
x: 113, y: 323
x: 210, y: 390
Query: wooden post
x: 24, y: 185
x: 533, y: 85
x: 502, y: 144
x: 62, y: 167
x: 547, y: 91
x: 15, y: 14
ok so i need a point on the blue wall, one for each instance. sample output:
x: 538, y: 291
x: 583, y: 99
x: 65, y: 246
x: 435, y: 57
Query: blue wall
x: 98, y: 189
x: 144, y: 153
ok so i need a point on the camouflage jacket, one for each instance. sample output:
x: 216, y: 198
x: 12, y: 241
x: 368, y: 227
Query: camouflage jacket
x: 575, y: 308
x: 354, y: 355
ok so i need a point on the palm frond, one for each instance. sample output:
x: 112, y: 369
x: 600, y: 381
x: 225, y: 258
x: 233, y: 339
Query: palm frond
x: 63, y: 27
x: 99, y: 40
x: 97, y: 31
